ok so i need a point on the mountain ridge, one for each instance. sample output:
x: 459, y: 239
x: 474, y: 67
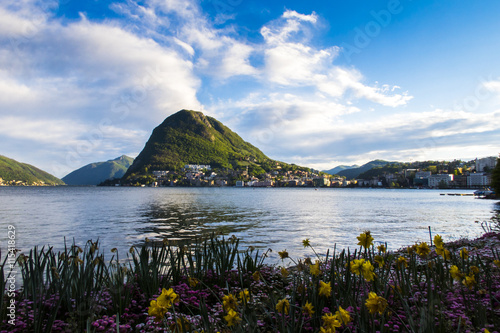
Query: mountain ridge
x: 355, y: 172
x: 97, y: 172
x: 12, y: 170
x: 190, y: 137
x: 337, y: 169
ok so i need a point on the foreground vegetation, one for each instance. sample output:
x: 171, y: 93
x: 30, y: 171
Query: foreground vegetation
x: 212, y: 286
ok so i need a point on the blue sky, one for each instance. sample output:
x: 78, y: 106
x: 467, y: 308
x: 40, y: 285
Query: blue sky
x: 316, y: 83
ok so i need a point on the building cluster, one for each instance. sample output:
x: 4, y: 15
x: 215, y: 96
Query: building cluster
x: 20, y: 183
x: 475, y: 174
x: 203, y: 175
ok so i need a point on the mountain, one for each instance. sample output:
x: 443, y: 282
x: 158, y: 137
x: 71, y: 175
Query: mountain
x: 190, y: 137
x: 355, y: 172
x: 11, y: 170
x: 339, y: 168
x: 95, y: 173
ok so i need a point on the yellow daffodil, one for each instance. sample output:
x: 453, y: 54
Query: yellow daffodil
x: 375, y: 303
x: 256, y: 276
x: 496, y: 262
x: 284, y: 272
x: 402, y: 261
x: 379, y: 260
x: 356, y: 266
x: 232, y: 318
x: 423, y: 249
x: 439, y: 250
x: 245, y: 296
x: 331, y: 321
x: 325, y: 289
x: 314, y: 269
x: 382, y: 248
x: 283, y: 306
x: 464, y: 253
x: 367, y: 271
x: 283, y: 254
x: 306, y: 243
x: 327, y: 330
x: 343, y: 316
x: 157, y: 311
x: 308, y: 308
x: 167, y: 298
x: 455, y: 273
x: 193, y: 282
x: 412, y: 249
x: 160, y: 306
x: 365, y: 239
x: 229, y: 302
x: 438, y: 241
x: 469, y: 281
x: 474, y: 269
x: 446, y: 255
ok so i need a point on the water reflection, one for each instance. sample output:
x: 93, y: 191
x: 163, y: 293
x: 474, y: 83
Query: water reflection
x: 181, y: 221
x: 494, y: 222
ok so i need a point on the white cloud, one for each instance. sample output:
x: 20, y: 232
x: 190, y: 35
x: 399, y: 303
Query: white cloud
x: 188, y: 48
x: 104, y: 62
x: 46, y: 131
x: 313, y: 18
x: 290, y: 60
x: 493, y: 86
x: 13, y: 92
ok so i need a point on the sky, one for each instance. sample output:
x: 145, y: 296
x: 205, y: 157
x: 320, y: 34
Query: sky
x: 315, y: 83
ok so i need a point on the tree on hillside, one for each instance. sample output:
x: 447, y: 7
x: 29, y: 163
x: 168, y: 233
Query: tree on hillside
x: 495, y: 178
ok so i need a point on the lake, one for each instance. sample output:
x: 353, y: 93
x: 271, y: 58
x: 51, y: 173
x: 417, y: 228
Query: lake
x: 277, y: 218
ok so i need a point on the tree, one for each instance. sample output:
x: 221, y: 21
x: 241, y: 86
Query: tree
x: 495, y: 178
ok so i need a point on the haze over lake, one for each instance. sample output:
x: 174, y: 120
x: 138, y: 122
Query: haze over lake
x: 277, y: 218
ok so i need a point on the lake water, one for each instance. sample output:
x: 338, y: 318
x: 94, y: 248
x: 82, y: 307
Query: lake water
x: 277, y: 218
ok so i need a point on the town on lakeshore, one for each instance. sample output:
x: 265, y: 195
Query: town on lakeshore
x: 22, y: 183
x: 456, y: 174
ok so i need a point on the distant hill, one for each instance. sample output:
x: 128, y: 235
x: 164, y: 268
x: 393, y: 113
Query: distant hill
x: 13, y: 170
x: 355, y: 172
x: 339, y: 168
x: 95, y: 173
x: 190, y: 137
x: 379, y: 171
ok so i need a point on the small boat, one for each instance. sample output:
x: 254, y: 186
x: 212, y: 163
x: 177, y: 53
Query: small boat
x: 484, y: 193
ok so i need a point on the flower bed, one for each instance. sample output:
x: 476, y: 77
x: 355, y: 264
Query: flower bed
x: 214, y: 287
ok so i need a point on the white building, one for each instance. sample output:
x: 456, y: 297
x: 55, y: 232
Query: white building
x: 160, y: 173
x: 197, y: 167
x: 487, y: 162
x: 478, y: 179
x: 436, y: 180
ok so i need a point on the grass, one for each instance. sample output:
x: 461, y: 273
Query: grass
x: 215, y: 286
